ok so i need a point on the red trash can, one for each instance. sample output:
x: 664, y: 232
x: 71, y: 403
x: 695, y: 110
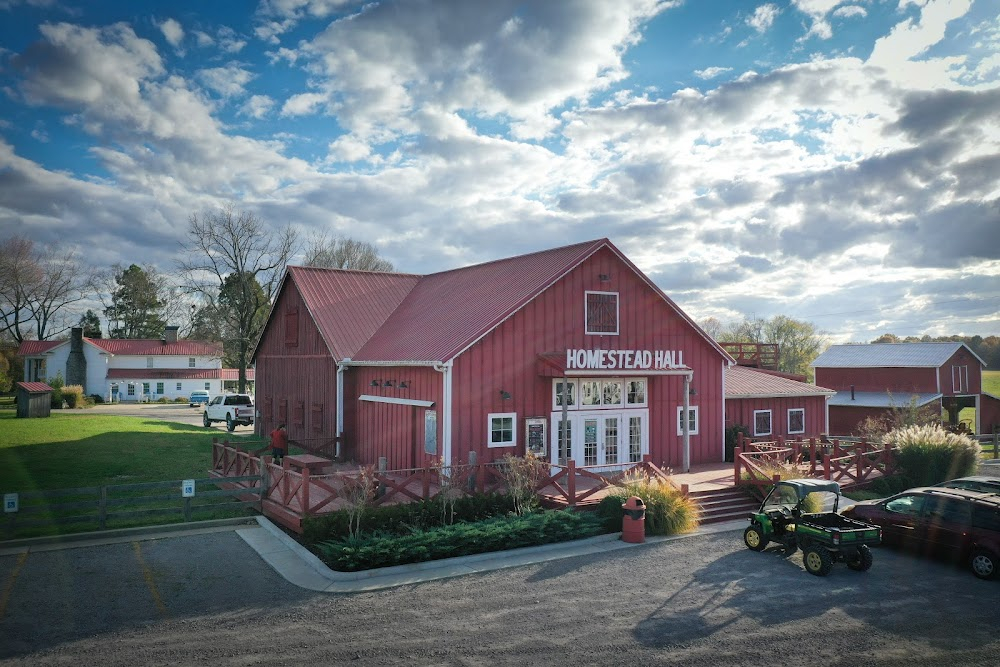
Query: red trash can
x: 634, y: 520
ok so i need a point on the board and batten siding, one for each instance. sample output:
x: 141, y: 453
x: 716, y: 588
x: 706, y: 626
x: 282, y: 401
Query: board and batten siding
x: 880, y: 379
x: 506, y: 359
x: 296, y: 382
x: 740, y: 412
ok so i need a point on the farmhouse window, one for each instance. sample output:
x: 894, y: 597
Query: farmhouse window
x: 602, y: 313
x: 149, y: 362
x: 797, y: 420
x: 159, y: 387
x: 292, y: 327
x: 208, y: 386
x: 317, y: 417
x: 502, y: 429
x: 191, y: 362
x: 178, y: 386
x: 145, y: 387
x: 131, y: 389
x: 762, y: 422
x: 636, y: 392
x: 692, y: 420
x: 300, y: 413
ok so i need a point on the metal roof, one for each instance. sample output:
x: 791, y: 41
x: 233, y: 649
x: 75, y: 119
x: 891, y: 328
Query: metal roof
x: 880, y: 399
x: 348, y: 306
x: 143, y: 347
x: 34, y: 387
x: 177, y: 373
x: 889, y: 355
x: 743, y: 382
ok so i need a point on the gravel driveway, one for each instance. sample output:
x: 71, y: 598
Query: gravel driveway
x: 172, y: 412
x: 705, y: 600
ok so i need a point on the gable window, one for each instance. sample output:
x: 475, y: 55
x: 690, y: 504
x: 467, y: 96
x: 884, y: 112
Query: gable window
x: 959, y: 379
x: 602, y: 313
x: 190, y: 362
x: 502, y: 431
x: 149, y: 362
x: 762, y: 422
x: 292, y: 327
x: 797, y: 420
x: 692, y: 420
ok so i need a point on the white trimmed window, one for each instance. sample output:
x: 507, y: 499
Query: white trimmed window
x: 796, y: 420
x: 208, y: 386
x: 503, y: 431
x: 692, y: 420
x: 601, y: 313
x: 595, y: 394
x: 178, y: 386
x: 190, y: 362
x: 636, y: 392
x: 149, y: 362
x: 569, y: 391
x: 131, y: 390
x: 159, y: 387
x: 761, y: 422
x: 145, y: 387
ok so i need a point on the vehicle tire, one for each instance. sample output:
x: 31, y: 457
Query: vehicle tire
x: 864, y: 561
x: 984, y: 564
x: 753, y: 537
x: 230, y: 423
x: 818, y: 561
x: 206, y: 420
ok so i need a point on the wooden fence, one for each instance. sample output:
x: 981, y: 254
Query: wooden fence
x: 849, y: 463
x: 291, y: 495
x: 99, y: 505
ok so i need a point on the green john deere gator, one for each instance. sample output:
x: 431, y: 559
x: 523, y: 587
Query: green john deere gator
x: 824, y: 537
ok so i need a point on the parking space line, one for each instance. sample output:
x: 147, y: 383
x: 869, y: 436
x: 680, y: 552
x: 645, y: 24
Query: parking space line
x: 148, y: 576
x: 10, y: 583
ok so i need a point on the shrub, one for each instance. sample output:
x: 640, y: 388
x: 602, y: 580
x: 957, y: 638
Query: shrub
x: 732, y: 438
x: 57, y: 396
x: 163, y: 399
x: 96, y: 398
x: 460, y: 539
x: 522, y: 475
x: 668, y: 511
x: 181, y: 399
x: 73, y: 395
x: 405, y: 517
x: 929, y: 454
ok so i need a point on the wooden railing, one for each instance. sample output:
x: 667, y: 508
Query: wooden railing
x: 850, y: 464
x: 305, y: 493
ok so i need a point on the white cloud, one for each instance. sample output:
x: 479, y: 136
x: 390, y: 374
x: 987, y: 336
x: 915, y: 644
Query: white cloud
x: 258, y: 106
x: 711, y: 72
x: 850, y: 11
x: 203, y: 39
x: 228, y: 81
x: 763, y: 17
x: 303, y: 104
x: 910, y: 39
x: 172, y: 32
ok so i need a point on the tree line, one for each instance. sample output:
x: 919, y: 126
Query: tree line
x: 226, y: 278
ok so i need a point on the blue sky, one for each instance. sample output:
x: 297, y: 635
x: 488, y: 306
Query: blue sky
x: 831, y: 161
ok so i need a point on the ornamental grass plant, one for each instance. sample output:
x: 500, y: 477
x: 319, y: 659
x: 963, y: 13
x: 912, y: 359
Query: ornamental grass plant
x: 668, y: 511
x: 928, y: 454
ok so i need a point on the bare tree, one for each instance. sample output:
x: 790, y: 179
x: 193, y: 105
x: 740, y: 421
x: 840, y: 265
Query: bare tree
x: 37, y: 287
x: 235, y: 264
x: 341, y: 252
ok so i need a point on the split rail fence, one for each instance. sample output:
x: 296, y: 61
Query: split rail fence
x: 849, y: 463
x: 290, y: 495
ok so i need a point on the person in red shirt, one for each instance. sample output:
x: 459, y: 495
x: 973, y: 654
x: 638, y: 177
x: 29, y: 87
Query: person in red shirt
x: 279, y: 443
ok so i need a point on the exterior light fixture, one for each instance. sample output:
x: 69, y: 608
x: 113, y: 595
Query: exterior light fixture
x: 376, y: 383
x: 404, y: 385
x: 388, y: 383
x: 505, y: 395
x: 693, y: 391
x: 604, y: 278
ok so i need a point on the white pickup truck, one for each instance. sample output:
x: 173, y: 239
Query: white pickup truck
x: 231, y: 408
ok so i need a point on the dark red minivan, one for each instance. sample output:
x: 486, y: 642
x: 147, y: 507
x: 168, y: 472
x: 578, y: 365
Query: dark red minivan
x: 957, y: 524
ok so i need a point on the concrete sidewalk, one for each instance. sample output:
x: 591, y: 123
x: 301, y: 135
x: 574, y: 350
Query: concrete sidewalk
x: 300, y: 567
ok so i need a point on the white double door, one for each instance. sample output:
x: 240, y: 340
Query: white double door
x: 600, y: 437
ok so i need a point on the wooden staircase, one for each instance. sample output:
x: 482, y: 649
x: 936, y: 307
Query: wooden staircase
x: 723, y: 505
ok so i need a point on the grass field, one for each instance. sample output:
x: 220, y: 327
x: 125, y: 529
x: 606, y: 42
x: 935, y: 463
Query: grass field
x: 991, y: 382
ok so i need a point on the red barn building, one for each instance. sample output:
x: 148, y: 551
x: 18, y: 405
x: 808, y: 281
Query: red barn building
x: 572, y: 353
x: 871, y: 380
x: 771, y: 404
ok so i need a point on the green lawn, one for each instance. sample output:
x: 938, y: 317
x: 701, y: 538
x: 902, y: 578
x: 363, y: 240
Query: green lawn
x: 991, y: 382
x: 74, y: 450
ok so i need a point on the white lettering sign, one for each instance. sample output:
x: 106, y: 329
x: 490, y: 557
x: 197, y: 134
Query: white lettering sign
x: 187, y: 488
x: 625, y: 360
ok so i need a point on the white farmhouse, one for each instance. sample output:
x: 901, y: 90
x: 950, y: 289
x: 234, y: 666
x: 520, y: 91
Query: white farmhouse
x: 130, y: 370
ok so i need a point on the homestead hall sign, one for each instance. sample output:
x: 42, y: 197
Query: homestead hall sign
x: 610, y: 360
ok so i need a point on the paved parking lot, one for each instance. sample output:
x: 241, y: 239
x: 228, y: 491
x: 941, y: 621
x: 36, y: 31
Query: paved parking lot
x: 704, y: 600
x: 173, y: 412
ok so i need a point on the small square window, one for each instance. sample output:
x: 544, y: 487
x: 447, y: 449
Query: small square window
x: 602, y: 313
x: 797, y: 420
x: 612, y: 393
x: 191, y: 361
x: 208, y: 386
x: 637, y: 392
x: 570, y: 394
x: 590, y: 392
x: 692, y: 420
x: 502, y: 429
x: 761, y: 422
x: 178, y: 386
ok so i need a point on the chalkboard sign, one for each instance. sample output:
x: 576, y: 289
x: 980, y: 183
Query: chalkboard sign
x: 535, y: 435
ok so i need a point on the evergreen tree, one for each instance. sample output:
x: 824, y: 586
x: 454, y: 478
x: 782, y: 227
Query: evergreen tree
x: 91, y: 324
x: 137, y: 304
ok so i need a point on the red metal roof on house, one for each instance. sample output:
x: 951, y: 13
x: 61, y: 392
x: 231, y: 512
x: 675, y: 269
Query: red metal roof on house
x: 144, y: 347
x: 34, y: 387
x: 743, y: 382
x: 177, y: 374
x: 445, y: 312
x: 348, y: 307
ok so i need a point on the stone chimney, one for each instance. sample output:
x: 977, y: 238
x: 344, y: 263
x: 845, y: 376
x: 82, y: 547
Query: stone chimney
x: 170, y: 335
x: 76, y: 363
